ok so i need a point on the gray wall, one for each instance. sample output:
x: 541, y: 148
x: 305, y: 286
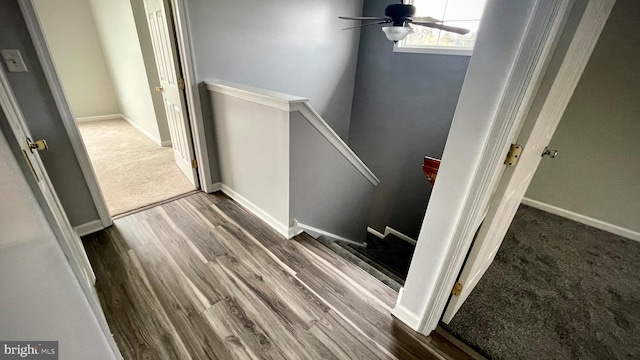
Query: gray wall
x: 402, y: 110
x: 41, y: 298
x: 43, y: 119
x: 327, y: 191
x: 596, y: 172
x: 291, y: 46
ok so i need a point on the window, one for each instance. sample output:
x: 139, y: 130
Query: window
x: 459, y: 13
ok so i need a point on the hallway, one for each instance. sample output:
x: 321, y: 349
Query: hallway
x: 199, y: 277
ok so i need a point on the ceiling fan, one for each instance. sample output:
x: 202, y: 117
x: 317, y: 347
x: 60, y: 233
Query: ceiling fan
x: 400, y: 16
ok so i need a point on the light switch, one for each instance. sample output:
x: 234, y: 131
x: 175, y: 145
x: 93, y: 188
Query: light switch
x: 13, y: 60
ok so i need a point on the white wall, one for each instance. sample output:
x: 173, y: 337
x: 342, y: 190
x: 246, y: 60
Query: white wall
x: 40, y: 298
x: 73, y: 40
x: 118, y: 35
x: 596, y: 172
x: 246, y: 132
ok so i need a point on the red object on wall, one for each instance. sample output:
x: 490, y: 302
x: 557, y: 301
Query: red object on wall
x: 430, y: 168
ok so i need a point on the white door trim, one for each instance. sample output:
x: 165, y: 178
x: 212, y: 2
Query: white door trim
x: 33, y: 24
x: 187, y: 59
x: 455, y: 217
x: 66, y: 236
x: 180, y: 15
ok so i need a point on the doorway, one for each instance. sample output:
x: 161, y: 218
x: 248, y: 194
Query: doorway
x: 566, y: 268
x: 111, y: 60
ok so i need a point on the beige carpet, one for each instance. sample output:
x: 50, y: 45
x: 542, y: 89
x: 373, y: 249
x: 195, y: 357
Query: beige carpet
x: 132, y: 170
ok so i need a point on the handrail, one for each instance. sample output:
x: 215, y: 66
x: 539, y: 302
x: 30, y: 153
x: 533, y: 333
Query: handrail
x: 318, y: 122
x: 291, y: 103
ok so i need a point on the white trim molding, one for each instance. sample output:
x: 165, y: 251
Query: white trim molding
x: 57, y: 91
x: 433, y: 50
x: 274, y: 99
x: 375, y: 232
x: 405, y: 315
x: 98, y: 118
x: 501, y: 83
x: 389, y: 230
x: 317, y: 122
x: 215, y: 187
x: 282, y: 229
x: 88, y: 228
x: 187, y: 61
x: 583, y: 219
x: 319, y: 232
x: 141, y: 129
x: 165, y: 143
x: 286, y: 102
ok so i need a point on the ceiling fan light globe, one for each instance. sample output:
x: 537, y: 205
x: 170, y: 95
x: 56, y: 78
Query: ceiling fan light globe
x: 396, y: 33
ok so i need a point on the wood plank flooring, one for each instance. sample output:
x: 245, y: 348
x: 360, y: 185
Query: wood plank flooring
x: 201, y: 278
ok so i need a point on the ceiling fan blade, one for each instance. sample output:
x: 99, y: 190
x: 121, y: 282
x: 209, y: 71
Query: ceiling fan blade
x: 453, y: 29
x: 364, y: 18
x: 424, y: 20
x: 373, y: 23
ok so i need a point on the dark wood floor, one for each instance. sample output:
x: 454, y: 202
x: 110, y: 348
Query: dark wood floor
x: 201, y: 278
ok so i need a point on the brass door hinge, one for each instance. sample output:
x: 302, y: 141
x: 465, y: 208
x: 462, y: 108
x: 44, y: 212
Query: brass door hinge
x: 513, y: 155
x: 194, y: 163
x: 181, y: 83
x: 457, y: 289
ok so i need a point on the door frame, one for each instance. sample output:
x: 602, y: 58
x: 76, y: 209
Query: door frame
x: 468, y: 181
x: 56, y: 217
x: 179, y: 12
x: 46, y: 61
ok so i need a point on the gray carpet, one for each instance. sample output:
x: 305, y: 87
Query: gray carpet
x: 556, y: 290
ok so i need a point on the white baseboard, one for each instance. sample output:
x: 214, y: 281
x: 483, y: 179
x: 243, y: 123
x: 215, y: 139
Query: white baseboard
x: 375, y: 232
x: 142, y: 130
x: 98, y: 118
x: 403, y: 314
x: 295, y: 229
x: 211, y: 188
x: 257, y: 211
x: 328, y: 234
x: 89, y: 228
x: 389, y: 230
x: 166, y: 143
x: 598, y: 224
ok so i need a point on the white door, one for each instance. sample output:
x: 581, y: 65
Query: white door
x: 71, y: 245
x: 172, y: 86
x: 534, y: 137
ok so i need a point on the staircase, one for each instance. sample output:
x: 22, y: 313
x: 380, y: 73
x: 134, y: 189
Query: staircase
x: 280, y: 160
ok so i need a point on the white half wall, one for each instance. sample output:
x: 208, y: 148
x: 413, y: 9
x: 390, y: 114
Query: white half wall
x: 72, y: 39
x: 246, y: 131
x: 121, y: 45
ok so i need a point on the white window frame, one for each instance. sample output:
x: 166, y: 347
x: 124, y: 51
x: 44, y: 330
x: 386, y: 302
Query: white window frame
x: 400, y: 46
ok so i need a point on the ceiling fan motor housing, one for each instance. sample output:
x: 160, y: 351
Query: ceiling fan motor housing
x: 399, y: 13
